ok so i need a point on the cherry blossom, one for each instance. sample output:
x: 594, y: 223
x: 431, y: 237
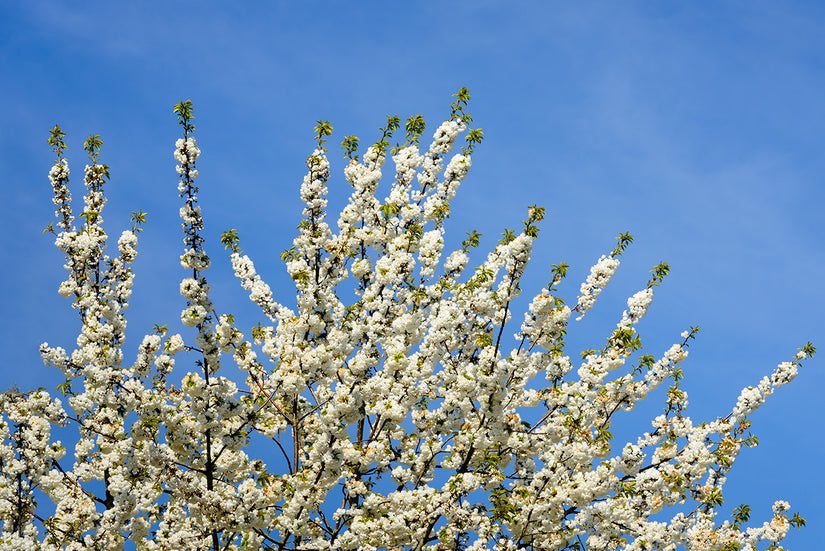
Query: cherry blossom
x: 407, y: 418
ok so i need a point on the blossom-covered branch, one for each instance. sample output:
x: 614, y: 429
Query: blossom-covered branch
x: 389, y: 409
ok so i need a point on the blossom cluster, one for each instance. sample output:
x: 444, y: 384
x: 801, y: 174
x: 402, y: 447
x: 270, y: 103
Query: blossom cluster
x: 404, y: 418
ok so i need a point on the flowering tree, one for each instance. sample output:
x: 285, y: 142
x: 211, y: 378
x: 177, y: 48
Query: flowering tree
x: 404, y: 419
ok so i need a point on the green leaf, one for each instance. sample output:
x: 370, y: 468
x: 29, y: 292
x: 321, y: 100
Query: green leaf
x: 622, y: 243
x: 415, y: 127
x: 322, y: 130
x: 185, y: 113
x: 138, y: 218
x: 507, y: 236
x: 56, y: 140
x: 230, y: 239
x: 473, y: 138
x: 471, y: 241
x: 350, y: 146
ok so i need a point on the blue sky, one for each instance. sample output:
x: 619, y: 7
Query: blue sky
x: 697, y: 127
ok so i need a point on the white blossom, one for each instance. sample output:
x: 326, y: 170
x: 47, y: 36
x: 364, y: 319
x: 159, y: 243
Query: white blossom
x: 392, y: 410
